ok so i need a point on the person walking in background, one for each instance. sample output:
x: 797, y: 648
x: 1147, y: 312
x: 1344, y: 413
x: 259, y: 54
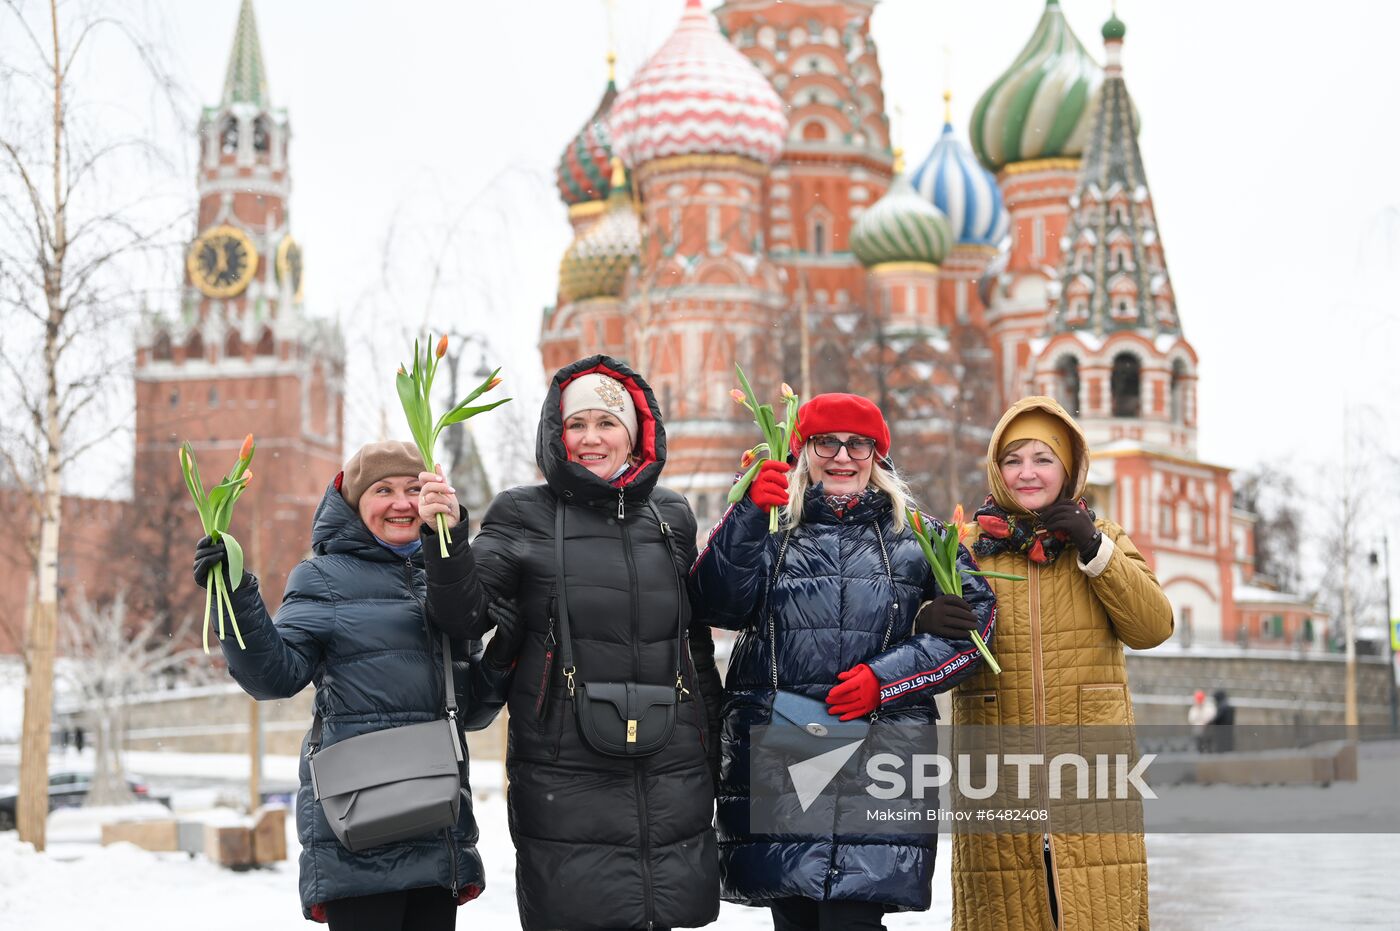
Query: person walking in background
x: 601, y: 841
x: 835, y: 596
x: 1200, y: 716
x: 1060, y: 638
x: 1222, y: 725
x: 354, y: 621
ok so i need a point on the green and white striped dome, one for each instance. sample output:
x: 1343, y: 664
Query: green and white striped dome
x: 1043, y: 105
x: 901, y: 227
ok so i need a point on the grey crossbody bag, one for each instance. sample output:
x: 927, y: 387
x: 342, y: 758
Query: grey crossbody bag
x: 395, y: 784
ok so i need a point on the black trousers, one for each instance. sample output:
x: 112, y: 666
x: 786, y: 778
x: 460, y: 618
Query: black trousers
x: 429, y: 909
x: 811, y: 915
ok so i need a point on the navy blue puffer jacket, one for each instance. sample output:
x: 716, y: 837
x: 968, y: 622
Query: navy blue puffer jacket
x: 834, y: 608
x: 354, y: 621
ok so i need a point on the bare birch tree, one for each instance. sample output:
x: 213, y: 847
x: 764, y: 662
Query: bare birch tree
x: 73, y: 230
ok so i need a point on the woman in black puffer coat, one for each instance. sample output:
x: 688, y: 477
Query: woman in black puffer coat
x: 851, y: 579
x: 601, y: 842
x: 354, y: 621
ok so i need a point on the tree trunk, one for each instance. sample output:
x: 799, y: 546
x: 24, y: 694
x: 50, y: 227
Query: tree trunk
x: 33, y: 804
x: 108, y: 785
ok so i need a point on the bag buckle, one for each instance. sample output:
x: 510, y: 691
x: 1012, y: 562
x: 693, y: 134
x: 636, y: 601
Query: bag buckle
x: 631, y: 730
x: 569, y: 677
x: 680, y: 686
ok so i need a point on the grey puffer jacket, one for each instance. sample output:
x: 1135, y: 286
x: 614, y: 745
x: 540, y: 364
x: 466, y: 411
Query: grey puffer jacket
x: 354, y: 621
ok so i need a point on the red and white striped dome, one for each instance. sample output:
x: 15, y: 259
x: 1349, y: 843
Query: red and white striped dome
x: 698, y: 95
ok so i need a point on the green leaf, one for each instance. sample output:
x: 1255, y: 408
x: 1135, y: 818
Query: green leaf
x: 408, y: 396
x: 235, y: 563
x: 741, y: 487
x: 466, y: 413
x: 480, y: 389
x: 995, y: 575
x: 744, y: 385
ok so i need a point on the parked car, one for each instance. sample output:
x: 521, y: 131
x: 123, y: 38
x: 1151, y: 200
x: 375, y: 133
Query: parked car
x: 67, y: 789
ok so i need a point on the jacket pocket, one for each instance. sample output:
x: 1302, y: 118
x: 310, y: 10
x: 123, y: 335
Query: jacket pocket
x: 1103, y: 703
x: 976, y: 709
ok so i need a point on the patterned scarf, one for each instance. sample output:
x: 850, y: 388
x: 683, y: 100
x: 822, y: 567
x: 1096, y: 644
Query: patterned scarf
x: 1003, y: 532
x: 840, y: 504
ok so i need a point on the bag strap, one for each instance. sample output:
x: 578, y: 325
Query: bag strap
x: 777, y: 568
x: 561, y: 595
x: 449, y: 688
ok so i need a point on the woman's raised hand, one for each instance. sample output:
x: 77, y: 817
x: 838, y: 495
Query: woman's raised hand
x: 769, y: 488
x: 436, y: 496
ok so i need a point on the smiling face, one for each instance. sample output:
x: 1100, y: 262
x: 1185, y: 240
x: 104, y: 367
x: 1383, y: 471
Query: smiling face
x: 598, y: 441
x: 1034, y: 474
x: 389, y: 509
x: 839, y: 475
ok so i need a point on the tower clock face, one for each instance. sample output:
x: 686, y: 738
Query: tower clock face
x: 289, y: 265
x: 222, y: 261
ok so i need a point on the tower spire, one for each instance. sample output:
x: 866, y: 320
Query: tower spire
x: 246, y: 78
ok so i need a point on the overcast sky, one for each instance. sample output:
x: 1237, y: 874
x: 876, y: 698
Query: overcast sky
x: 1269, y: 134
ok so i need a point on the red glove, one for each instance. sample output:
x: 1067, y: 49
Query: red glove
x: 769, y: 488
x: 856, y: 696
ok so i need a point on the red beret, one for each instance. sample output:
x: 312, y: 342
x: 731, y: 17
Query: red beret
x: 841, y: 413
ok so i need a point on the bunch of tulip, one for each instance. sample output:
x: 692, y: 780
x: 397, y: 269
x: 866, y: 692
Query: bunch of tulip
x: 415, y: 393
x: 941, y: 551
x: 216, y: 513
x: 775, y: 438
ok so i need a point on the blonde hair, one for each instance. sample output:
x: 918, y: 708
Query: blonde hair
x: 886, y: 480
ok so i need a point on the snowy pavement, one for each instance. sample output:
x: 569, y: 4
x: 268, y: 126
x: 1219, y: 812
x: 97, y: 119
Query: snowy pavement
x: 1199, y: 882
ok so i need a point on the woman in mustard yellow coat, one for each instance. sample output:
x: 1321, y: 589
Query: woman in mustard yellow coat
x: 1060, y: 638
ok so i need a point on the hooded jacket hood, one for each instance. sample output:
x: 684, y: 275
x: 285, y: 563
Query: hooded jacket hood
x: 572, y: 480
x: 337, y: 528
x: 1078, y: 469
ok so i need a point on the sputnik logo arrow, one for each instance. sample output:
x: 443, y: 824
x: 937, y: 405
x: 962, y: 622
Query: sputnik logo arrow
x: 814, y: 774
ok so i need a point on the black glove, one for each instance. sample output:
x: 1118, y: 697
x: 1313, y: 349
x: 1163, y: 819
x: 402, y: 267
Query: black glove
x: 206, y: 554
x: 1074, y: 522
x: 510, y: 634
x: 947, y: 616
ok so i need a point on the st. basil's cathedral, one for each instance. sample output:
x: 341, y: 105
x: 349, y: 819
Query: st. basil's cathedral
x: 739, y: 201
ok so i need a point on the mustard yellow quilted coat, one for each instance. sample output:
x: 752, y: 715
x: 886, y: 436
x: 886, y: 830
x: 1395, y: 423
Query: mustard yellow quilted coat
x: 1060, y: 637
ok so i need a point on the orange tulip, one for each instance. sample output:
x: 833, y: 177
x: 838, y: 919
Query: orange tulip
x: 442, y: 346
x: 787, y: 391
x: 738, y: 396
x: 960, y: 522
x: 494, y: 382
x: 918, y: 521
x: 247, y: 448
x: 747, y: 459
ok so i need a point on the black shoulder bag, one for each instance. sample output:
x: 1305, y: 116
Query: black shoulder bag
x: 623, y: 719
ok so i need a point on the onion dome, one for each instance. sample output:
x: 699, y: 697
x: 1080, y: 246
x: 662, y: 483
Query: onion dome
x: 698, y: 95
x: 596, y: 262
x: 1042, y: 106
x: 586, y: 165
x: 1114, y: 29
x: 901, y: 227
x: 967, y: 194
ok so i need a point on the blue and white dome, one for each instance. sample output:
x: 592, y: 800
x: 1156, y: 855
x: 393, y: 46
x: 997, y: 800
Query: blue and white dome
x: 967, y: 194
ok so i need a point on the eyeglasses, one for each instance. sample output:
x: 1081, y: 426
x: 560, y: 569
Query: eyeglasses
x: 857, y: 447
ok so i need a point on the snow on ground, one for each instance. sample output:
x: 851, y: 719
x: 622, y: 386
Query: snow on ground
x: 11, y: 697
x: 1200, y: 882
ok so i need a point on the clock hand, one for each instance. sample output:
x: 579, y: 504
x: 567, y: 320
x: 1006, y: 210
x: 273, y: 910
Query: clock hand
x: 220, y: 261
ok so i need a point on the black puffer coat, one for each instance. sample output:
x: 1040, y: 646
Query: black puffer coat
x: 832, y: 610
x: 600, y: 842
x: 353, y: 620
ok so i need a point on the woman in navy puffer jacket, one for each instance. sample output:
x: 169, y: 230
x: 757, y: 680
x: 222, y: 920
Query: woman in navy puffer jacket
x: 850, y: 581
x: 354, y: 620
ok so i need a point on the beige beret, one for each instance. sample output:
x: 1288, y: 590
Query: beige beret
x: 376, y: 461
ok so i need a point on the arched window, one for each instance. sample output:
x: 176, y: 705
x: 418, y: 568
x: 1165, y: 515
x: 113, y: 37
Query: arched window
x: 818, y: 238
x: 1126, y: 385
x: 1068, y: 371
x: 161, y: 351
x: 233, y: 346
x: 1178, y: 392
x: 266, y: 347
x: 194, y: 347
x: 228, y: 136
x: 261, y: 136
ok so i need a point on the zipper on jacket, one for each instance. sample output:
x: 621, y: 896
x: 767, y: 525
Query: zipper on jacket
x: 633, y: 597
x: 620, y: 498
x: 647, y: 892
x: 1052, y: 888
x: 452, y: 858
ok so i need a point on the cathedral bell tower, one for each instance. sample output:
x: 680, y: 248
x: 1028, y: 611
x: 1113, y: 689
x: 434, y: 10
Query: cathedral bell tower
x: 240, y: 357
